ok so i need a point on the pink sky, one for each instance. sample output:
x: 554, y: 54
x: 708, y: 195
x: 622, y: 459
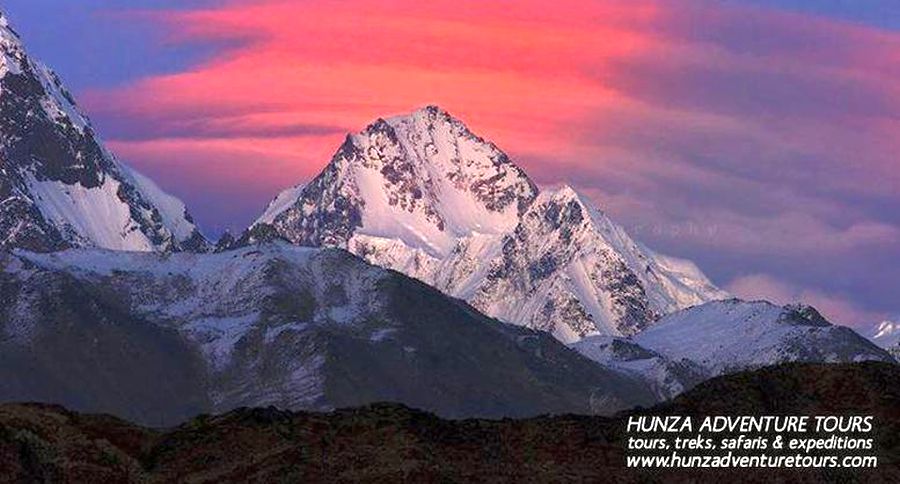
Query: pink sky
x: 761, y: 143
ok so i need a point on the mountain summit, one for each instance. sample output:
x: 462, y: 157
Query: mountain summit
x: 423, y: 180
x: 59, y: 186
x: 423, y: 195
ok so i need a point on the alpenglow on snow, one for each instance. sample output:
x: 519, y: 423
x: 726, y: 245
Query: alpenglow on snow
x: 423, y: 195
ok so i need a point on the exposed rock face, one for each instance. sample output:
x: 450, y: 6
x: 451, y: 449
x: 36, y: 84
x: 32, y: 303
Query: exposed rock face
x: 59, y: 186
x: 423, y: 195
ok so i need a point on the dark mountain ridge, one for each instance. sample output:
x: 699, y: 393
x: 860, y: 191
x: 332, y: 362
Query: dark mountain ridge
x: 390, y: 442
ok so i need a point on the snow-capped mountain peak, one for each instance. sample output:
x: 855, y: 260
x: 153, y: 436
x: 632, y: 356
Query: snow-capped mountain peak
x: 57, y: 101
x: 423, y: 179
x: 421, y: 194
x: 59, y: 186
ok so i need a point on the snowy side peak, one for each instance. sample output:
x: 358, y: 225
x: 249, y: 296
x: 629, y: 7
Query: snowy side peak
x: 728, y: 336
x: 12, y: 53
x: 57, y: 102
x: 734, y: 335
x: 59, y: 185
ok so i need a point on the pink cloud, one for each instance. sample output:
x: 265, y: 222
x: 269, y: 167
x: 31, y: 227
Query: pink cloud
x: 552, y: 83
x: 775, y: 131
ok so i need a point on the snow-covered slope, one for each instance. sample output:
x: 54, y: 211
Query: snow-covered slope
x: 887, y: 335
x: 568, y: 269
x: 733, y: 335
x: 667, y: 376
x: 423, y: 195
x: 273, y: 324
x: 59, y: 186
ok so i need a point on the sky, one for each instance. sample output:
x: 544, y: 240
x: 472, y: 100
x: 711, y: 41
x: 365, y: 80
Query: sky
x: 759, y: 138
